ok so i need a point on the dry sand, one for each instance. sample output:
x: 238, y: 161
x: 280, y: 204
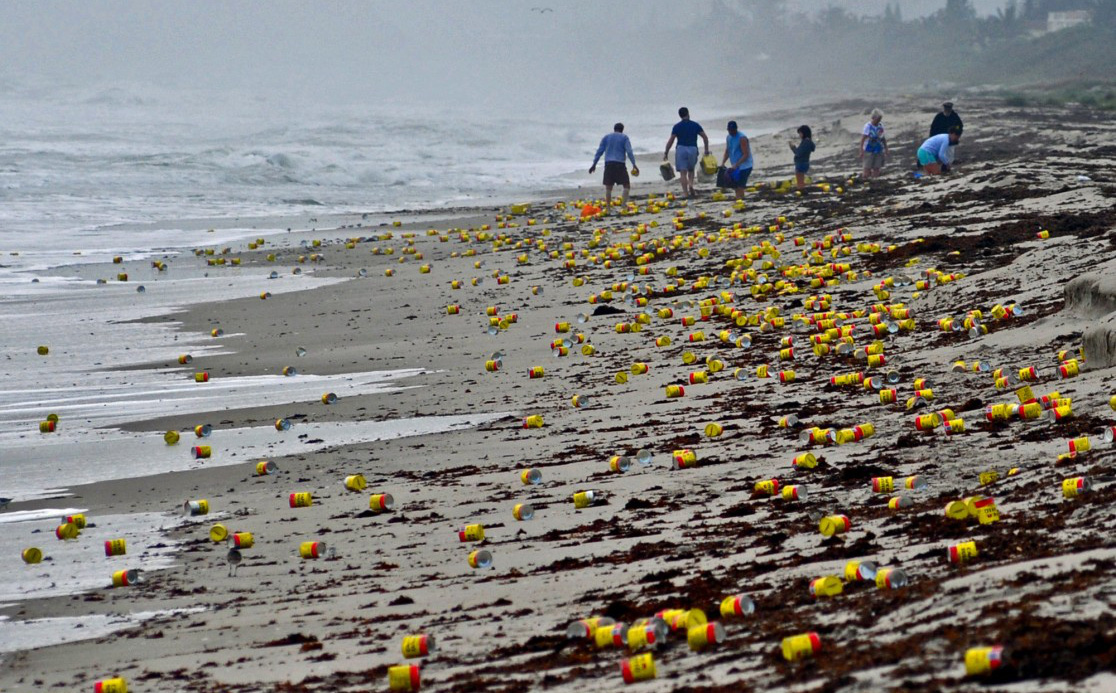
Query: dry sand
x: 1042, y: 584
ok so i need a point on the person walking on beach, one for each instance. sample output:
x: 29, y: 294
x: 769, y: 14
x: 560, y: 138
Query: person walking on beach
x: 738, y: 154
x: 686, y: 133
x: 802, y: 154
x: 873, y: 145
x: 946, y: 120
x: 615, y: 146
x: 936, y: 153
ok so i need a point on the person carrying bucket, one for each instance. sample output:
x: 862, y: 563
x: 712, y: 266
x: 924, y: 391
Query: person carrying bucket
x: 738, y: 153
x: 686, y: 132
x: 615, y: 146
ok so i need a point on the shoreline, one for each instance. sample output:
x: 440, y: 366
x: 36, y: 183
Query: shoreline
x: 663, y: 538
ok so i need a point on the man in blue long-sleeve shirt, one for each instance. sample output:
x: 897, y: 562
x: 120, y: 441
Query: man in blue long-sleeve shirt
x: 615, y: 146
x: 937, y: 151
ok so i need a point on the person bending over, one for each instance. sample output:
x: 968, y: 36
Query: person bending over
x: 615, y: 146
x: 937, y: 152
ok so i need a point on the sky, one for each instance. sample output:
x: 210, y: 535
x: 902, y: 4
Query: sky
x: 500, y: 52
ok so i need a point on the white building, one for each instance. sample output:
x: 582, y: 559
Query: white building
x: 1056, y: 21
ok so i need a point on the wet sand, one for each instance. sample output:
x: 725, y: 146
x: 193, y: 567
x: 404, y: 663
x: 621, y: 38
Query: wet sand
x: 1041, y: 585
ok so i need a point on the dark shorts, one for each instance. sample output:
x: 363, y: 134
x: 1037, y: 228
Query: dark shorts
x: 739, y: 178
x: 802, y: 168
x: 616, y: 173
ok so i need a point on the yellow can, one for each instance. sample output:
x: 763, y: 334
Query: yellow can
x: 218, y: 533
x: 638, y: 668
x: 983, y: 660
x: 700, y: 637
x: 301, y: 499
x: 264, y: 467
x: 417, y: 645
x: 403, y: 677
x: 798, y: 647
x: 113, y: 685
x: 712, y: 430
x: 355, y: 482
x: 32, y: 556
x: 312, y: 549
x: 473, y: 532
x: 381, y: 502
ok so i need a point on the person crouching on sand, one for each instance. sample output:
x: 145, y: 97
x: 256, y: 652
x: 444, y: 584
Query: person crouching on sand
x: 738, y: 153
x: 802, y: 154
x: 686, y: 133
x: 937, y: 151
x: 615, y: 146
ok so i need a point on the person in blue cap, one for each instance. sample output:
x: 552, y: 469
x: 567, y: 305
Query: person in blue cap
x: 686, y: 133
x: 738, y: 154
x: 615, y: 146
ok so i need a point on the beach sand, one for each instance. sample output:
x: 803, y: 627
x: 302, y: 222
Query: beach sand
x: 1042, y: 584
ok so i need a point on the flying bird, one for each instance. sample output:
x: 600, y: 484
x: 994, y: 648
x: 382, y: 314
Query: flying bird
x: 541, y: 10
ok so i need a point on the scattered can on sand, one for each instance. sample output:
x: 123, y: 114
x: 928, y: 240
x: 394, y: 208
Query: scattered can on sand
x: 700, y: 637
x: 403, y: 677
x: 962, y: 552
x: 201, y: 452
x: 891, y: 578
x: 530, y: 477
x: 313, y: 549
x: 301, y: 499
x: 983, y: 660
x: 860, y: 571
x: 282, y: 424
x: 533, y: 421
x: 381, y: 503
x: 32, y: 555
x: 66, y: 531
x: 469, y: 533
x: 831, y: 525
x: 585, y: 628
x: 480, y: 559
x: 126, y: 578
x: 171, y: 437
x: 793, y: 493
x: 673, y: 391
x: 798, y: 647
x: 242, y: 540
x: 826, y: 586
x: 201, y: 377
x: 218, y: 533
x: 417, y: 645
x: 523, y: 511
x: 265, y: 467
x: 113, y: 685
x: 737, y: 605
x: 329, y: 398
x: 1071, y: 488
x: 584, y: 499
x: 355, y: 482
x: 638, y: 668
x: 196, y: 507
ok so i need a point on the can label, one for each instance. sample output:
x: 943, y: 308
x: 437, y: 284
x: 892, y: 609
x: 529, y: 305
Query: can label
x: 416, y: 646
x: 798, y: 647
x: 960, y: 553
x: 638, y: 668
x: 116, y: 547
x: 883, y: 484
x: 355, y: 482
x: 827, y: 586
x: 403, y: 677
x: 474, y: 532
x: 243, y: 540
x: 114, y: 685
x: 301, y: 499
x: 831, y: 525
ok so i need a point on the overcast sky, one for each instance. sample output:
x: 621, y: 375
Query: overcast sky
x: 367, y: 50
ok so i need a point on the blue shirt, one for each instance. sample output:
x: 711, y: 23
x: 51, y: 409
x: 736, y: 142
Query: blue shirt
x: 939, y: 146
x: 687, y: 132
x: 615, y: 146
x: 803, y: 150
x: 735, y: 146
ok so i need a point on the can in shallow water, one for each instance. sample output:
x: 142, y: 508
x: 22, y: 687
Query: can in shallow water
x: 983, y: 660
x: 403, y: 677
x: 962, y: 552
x: 113, y: 685
x: 798, y: 647
x: 638, y: 668
x: 1071, y: 488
